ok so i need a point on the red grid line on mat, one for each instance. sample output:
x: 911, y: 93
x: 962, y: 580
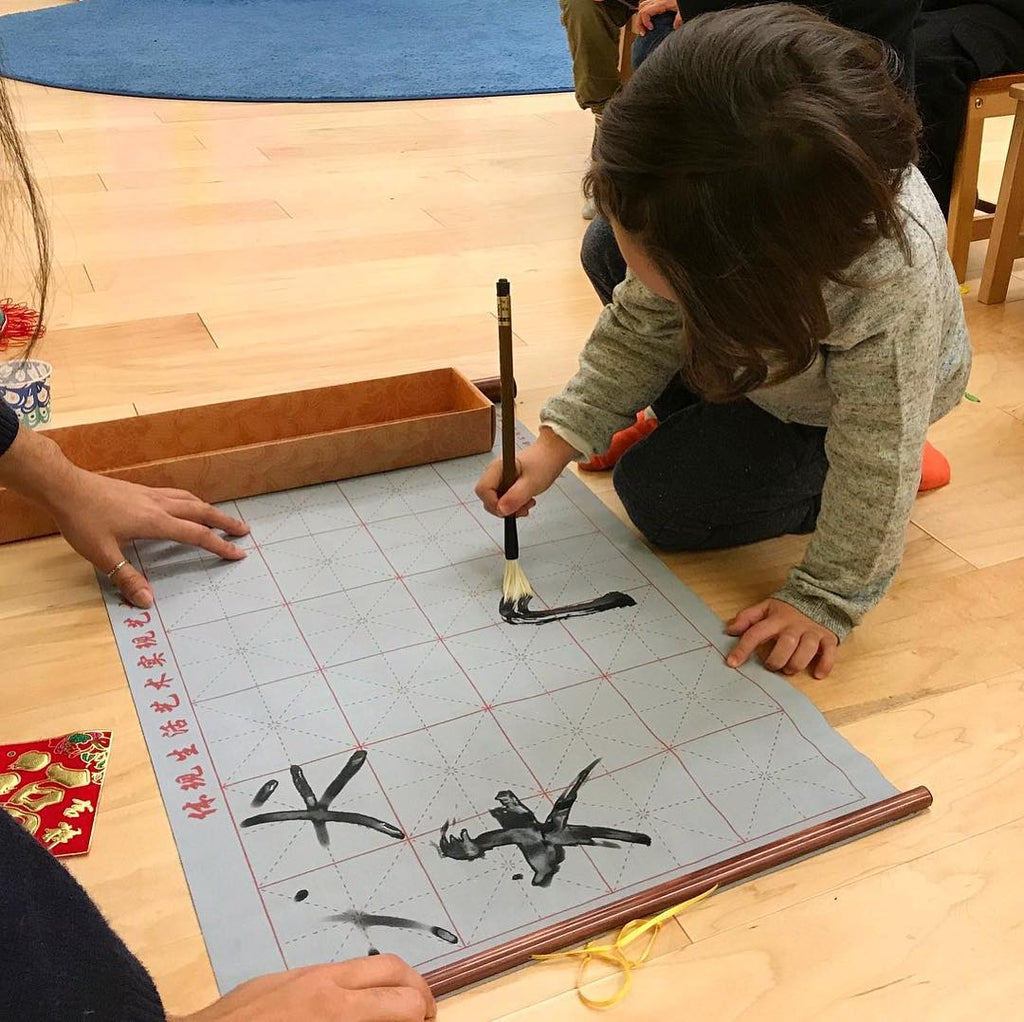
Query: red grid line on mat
x: 541, y: 791
x: 640, y: 884
x: 348, y: 723
x: 216, y: 772
x: 667, y: 746
x: 710, y: 642
x: 487, y: 709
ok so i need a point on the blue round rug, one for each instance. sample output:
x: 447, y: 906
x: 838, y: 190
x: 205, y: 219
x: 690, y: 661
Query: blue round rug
x: 290, y: 50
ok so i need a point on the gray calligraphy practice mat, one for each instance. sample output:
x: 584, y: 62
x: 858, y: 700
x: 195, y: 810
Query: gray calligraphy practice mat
x: 357, y: 752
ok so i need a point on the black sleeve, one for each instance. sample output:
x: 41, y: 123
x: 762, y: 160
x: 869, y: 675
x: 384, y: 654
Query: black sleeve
x: 892, y: 21
x: 8, y: 427
x: 60, y: 958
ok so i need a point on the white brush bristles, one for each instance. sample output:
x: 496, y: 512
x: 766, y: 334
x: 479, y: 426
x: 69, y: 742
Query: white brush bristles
x: 515, y: 586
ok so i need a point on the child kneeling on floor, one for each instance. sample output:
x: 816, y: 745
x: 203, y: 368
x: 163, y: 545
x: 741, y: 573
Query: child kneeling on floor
x: 790, y: 316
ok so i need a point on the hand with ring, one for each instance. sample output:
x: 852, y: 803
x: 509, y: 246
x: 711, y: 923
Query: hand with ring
x: 106, y: 514
x: 100, y: 516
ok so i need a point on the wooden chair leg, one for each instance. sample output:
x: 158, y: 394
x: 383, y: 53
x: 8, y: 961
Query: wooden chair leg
x: 1005, y: 239
x: 960, y: 224
x: 626, y: 51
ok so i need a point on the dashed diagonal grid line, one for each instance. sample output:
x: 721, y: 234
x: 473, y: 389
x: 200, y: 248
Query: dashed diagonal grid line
x: 646, y: 645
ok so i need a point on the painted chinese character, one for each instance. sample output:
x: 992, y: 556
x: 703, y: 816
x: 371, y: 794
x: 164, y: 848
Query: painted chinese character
x: 159, y: 707
x: 146, y: 641
x: 192, y: 780
x: 77, y: 807
x: 158, y: 683
x: 318, y: 811
x: 180, y: 755
x: 174, y: 727
x: 138, y: 622
x: 542, y: 843
x: 201, y: 808
x: 149, y: 662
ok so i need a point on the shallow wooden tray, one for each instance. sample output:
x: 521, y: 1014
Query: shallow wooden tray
x: 263, y: 444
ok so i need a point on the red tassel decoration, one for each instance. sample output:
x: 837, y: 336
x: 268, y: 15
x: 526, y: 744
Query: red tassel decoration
x: 18, y: 325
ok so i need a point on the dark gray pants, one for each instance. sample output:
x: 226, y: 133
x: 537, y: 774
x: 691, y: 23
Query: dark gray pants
x: 721, y: 475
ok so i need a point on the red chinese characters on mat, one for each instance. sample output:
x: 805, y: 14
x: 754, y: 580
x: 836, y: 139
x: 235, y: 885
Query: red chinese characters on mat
x: 172, y: 703
x: 52, y: 787
x: 192, y: 780
x: 173, y: 728
x: 145, y: 641
x: 201, y: 808
x: 168, y: 701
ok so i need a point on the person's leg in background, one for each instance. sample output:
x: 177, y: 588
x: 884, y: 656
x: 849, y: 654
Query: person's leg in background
x: 944, y: 73
x: 601, y: 258
x: 644, y: 45
x: 592, y: 28
x: 954, y: 47
x: 721, y: 475
x: 599, y: 253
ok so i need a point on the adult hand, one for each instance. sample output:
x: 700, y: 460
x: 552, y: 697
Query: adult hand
x: 650, y: 9
x: 537, y: 468
x: 795, y: 640
x: 378, y: 989
x: 98, y: 516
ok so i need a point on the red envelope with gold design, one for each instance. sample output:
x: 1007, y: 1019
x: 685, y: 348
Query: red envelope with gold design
x: 52, y: 787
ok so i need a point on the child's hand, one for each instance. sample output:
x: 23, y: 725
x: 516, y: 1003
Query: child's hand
x: 796, y: 640
x: 537, y: 468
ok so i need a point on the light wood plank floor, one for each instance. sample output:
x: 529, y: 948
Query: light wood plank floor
x: 208, y: 250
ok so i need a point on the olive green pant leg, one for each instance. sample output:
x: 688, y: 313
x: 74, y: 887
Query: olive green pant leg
x: 592, y: 29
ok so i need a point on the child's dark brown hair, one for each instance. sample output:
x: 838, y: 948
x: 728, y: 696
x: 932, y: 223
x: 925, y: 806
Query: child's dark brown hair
x: 754, y: 156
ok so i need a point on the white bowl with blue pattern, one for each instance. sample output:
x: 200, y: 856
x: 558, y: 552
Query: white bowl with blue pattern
x: 25, y: 386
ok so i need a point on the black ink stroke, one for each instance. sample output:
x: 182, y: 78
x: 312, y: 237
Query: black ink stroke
x: 517, y: 612
x: 364, y: 920
x: 543, y: 844
x: 264, y: 793
x: 318, y: 811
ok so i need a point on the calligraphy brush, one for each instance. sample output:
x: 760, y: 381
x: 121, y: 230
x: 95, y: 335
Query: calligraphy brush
x: 515, y: 587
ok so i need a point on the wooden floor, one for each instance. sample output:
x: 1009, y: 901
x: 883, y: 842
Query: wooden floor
x: 207, y: 250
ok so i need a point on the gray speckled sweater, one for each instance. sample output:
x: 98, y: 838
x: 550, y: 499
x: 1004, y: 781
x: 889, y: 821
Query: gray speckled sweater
x: 897, y: 359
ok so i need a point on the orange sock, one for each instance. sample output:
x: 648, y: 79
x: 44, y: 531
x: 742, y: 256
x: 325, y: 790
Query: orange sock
x: 644, y: 426
x: 934, y: 469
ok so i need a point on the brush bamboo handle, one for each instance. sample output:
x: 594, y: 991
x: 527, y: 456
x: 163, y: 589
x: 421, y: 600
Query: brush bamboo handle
x: 508, y: 407
x: 490, y: 387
